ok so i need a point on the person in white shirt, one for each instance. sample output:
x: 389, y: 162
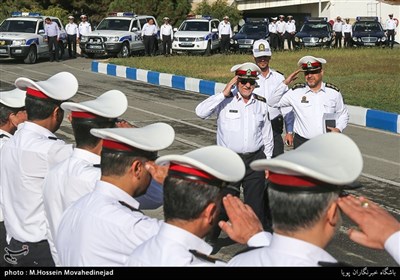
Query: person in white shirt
x: 32, y: 151
x: 273, y: 33
x: 347, y: 33
x: 290, y: 32
x: 390, y: 30
x: 281, y: 30
x: 104, y: 227
x: 192, y: 193
x: 225, y: 34
x: 72, y: 36
x: 304, y: 201
x: 244, y: 127
x: 52, y: 36
x: 12, y: 113
x: 318, y: 106
x: 149, y: 35
x: 338, y: 29
x: 167, y: 35
x: 84, y: 28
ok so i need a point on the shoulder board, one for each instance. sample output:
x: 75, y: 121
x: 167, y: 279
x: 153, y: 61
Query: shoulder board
x: 3, y: 135
x: 332, y: 86
x: 204, y: 257
x: 260, y: 98
x: 299, y: 85
x: 248, y: 249
x: 280, y: 73
x: 129, y: 207
x: 97, y: 165
x: 337, y: 264
x: 52, y: 138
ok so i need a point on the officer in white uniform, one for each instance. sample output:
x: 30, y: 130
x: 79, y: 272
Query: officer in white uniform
x: 195, y: 180
x: 244, y: 127
x: 105, y: 226
x: 76, y: 176
x: 167, y: 35
x: 390, y: 30
x: 303, y: 197
x: 338, y: 29
x: 273, y: 33
x: 29, y: 155
x: 290, y: 32
x: 72, y: 36
x: 84, y: 27
x: 12, y: 113
x: 281, y: 29
x: 225, y: 34
x: 347, y: 32
x: 318, y: 106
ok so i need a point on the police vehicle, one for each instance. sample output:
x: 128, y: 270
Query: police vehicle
x: 197, y: 34
x: 22, y: 37
x: 253, y: 30
x: 367, y: 31
x: 119, y: 35
x: 315, y: 32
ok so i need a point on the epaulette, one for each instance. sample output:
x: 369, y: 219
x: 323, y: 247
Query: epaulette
x: 332, y: 86
x: 97, y: 165
x: 52, y: 138
x: 332, y: 264
x: 260, y: 98
x: 299, y: 85
x: 248, y: 249
x: 3, y: 135
x: 280, y: 73
x: 129, y: 207
x: 204, y: 257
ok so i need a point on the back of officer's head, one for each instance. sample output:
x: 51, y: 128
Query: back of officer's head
x: 40, y: 109
x: 83, y: 137
x: 5, y: 113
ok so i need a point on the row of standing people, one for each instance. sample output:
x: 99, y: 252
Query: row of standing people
x: 106, y: 227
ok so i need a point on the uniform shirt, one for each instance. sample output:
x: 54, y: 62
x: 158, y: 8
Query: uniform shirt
x: 4, y: 137
x: 98, y: 230
x: 64, y: 184
x: 224, y: 28
x: 267, y: 86
x: 337, y: 26
x: 347, y: 29
x: 241, y: 127
x: 390, y: 24
x: 272, y: 28
x: 166, y: 30
x: 29, y: 156
x: 309, y: 108
x: 52, y: 29
x: 283, y: 251
x: 281, y: 26
x: 291, y: 26
x: 392, y: 246
x: 149, y: 29
x: 72, y: 29
x: 84, y: 28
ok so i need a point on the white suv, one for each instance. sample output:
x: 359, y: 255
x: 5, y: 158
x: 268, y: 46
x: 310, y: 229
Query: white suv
x: 116, y: 35
x: 22, y: 37
x: 199, y: 34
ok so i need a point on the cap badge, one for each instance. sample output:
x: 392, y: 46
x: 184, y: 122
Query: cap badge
x: 309, y: 64
x: 304, y: 99
x: 261, y: 48
x: 248, y: 72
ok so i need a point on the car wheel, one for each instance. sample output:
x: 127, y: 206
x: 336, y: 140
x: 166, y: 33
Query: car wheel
x: 31, y: 57
x: 124, y: 52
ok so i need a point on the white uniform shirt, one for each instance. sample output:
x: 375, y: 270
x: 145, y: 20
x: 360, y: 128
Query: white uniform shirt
x: 241, y: 127
x: 64, y: 184
x: 84, y: 28
x: 224, y: 28
x: 166, y: 30
x: 98, y: 230
x: 337, y: 26
x: 309, y: 108
x: 281, y: 26
x: 347, y: 29
x: 283, y: 251
x: 149, y: 29
x: 291, y: 26
x: 392, y: 246
x: 4, y: 137
x: 29, y: 156
x: 272, y: 27
x: 390, y: 24
x: 72, y: 29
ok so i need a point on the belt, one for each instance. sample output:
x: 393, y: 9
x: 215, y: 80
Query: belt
x: 250, y: 154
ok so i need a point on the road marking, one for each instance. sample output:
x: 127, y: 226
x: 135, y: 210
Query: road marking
x: 381, y: 159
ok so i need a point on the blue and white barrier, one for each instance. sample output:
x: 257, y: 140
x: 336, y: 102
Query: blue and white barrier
x: 358, y: 115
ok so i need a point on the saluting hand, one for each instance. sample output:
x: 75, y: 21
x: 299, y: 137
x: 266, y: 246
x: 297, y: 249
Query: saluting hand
x: 292, y: 77
x: 228, y: 87
x: 158, y: 172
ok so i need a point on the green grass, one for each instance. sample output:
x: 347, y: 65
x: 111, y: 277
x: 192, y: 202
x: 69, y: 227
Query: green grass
x: 366, y: 77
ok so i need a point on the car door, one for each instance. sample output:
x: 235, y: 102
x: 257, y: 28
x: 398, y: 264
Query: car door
x: 136, y: 43
x: 214, y: 35
x: 42, y: 47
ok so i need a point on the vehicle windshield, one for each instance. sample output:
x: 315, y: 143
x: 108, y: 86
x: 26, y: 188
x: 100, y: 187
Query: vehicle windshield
x: 315, y: 27
x: 20, y: 26
x: 194, y: 26
x: 367, y: 27
x: 114, y: 24
x: 253, y: 29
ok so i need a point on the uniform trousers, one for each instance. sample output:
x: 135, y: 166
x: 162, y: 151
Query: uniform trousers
x: 338, y: 39
x: 53, y: 47
x: 298, y: 140
x: 347, y: 39
x: 253, y: 185
x: 225, y: 41
x: 390, y: 37
x: 167, y: 44
x: 148, y: 44
x: 71, y: 40
x: 29, y: 254
x: 290, y: 40
x: 274, y: 41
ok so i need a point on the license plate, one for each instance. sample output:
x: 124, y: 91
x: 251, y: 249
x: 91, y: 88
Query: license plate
x: 309, y: 44
x: 187, y: 44
x: 95, y: 47
x: 245, y: 46
x: 369, y: 44
x: 3, y: 51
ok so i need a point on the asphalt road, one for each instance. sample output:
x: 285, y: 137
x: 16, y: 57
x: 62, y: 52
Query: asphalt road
x: 149, y: 104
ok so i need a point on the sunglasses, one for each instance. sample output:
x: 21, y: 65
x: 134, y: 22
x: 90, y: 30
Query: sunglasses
x: 244, y: 82
x: 312, y: 72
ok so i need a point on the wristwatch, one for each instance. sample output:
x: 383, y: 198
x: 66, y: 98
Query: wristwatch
x: 290, y: 132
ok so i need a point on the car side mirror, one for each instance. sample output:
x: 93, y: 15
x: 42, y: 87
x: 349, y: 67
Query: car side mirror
x: 214, y: 30
x: 41, y: 32
x: 134, y: 29
x: 175, y: 29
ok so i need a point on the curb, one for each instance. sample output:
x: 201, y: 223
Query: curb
x: 358, y: 115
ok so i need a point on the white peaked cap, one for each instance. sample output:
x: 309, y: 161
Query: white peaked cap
x: 61, y: 86
x: 110, y: 104
x: 153, y: 137
x: 261, y: 48
x: 217, y: 161
x: 331, y: 158
x: 14, y: 98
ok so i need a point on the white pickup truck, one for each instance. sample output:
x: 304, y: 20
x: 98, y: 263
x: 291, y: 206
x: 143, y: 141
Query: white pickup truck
x: 22, y: 37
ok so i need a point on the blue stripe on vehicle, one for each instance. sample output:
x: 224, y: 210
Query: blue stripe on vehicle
x: 128, y: 37
x: 31, y: 41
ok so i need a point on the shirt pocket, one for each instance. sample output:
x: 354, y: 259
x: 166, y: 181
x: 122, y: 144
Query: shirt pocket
x: 329, y: 106
x: 232, y: 120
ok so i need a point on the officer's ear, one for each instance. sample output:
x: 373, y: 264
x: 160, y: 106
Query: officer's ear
x: 209, y: 213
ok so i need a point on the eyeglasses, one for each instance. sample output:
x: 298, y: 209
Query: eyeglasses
x: 244, y: 82
x: 312, y: 72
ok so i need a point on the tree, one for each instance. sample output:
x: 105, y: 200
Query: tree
x: 219, y: 9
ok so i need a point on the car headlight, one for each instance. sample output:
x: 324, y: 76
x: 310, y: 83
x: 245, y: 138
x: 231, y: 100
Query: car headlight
x: 84, y: 39
x: 325, y: 39
x: 383, y: 39
x: 232, y: 41
x: 355, y: 39
x: 199, y: 39
x: 19, y: 42
x: 296, y: 39
x: 113, y: 39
